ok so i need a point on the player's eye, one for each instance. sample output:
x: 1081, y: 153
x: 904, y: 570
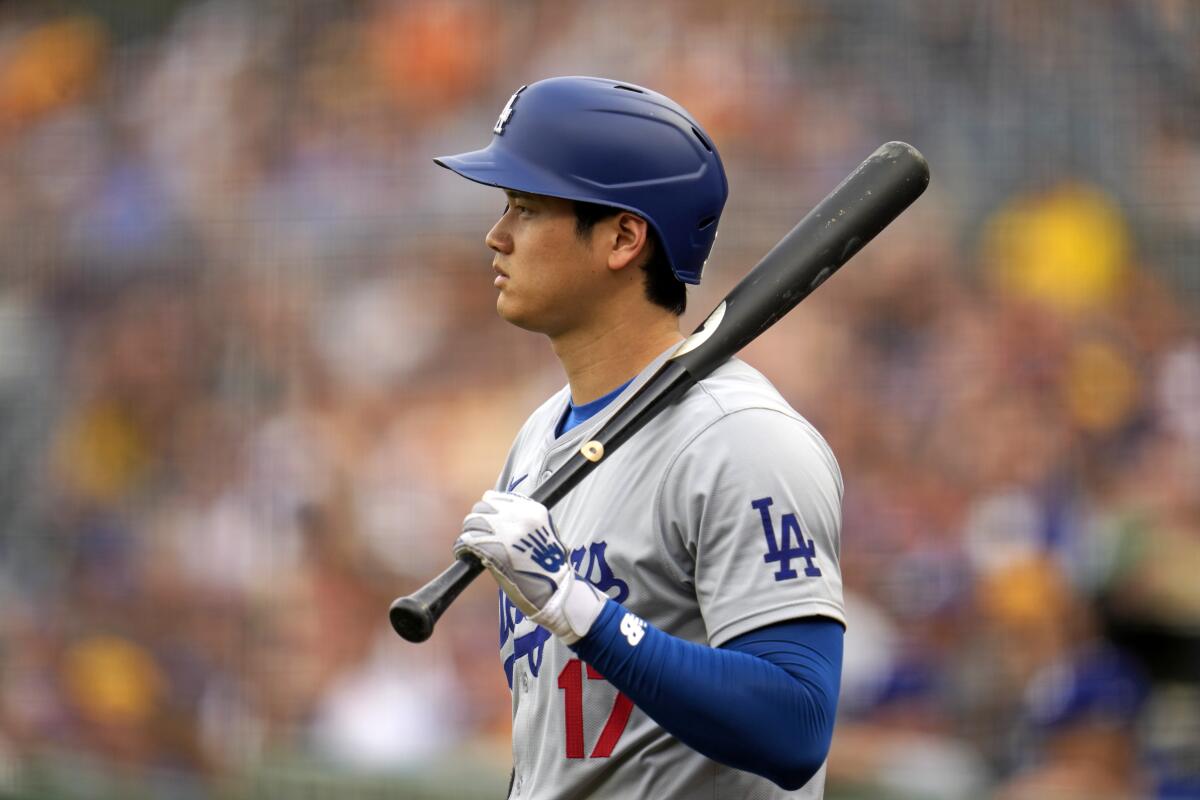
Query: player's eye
x: 520, y: 208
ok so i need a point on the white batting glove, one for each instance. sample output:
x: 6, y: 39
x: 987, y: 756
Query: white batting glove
x: 515, y: 538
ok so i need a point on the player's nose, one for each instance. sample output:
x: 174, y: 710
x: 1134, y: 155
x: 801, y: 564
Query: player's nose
x: 499, y: 239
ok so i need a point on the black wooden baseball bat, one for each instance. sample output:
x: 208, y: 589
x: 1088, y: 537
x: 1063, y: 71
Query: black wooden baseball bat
x: 862, y: 205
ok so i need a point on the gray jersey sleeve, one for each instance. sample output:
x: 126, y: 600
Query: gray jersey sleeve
x: 750, y: 512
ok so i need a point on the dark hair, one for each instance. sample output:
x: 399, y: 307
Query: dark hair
x: 662, y: 287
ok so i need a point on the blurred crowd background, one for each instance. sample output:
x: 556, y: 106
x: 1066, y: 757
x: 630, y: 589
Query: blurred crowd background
x: 251, y: 378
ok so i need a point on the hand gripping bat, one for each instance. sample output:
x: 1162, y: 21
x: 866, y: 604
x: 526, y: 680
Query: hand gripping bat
x: 862, y: 205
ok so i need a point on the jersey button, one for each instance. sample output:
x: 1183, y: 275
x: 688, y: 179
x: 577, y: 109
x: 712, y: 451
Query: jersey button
x: 524, y: 681
x: 547, y: 474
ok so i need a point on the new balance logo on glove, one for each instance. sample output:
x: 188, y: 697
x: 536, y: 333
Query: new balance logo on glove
x: 543, y: 550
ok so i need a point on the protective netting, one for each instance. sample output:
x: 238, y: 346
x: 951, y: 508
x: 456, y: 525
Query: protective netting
x: 251, y: 378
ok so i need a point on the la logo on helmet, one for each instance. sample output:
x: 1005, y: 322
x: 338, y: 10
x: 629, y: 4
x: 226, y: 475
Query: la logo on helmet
x: 507, y: 112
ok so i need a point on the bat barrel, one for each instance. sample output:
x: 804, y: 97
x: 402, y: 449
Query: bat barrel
x: 849, y: 217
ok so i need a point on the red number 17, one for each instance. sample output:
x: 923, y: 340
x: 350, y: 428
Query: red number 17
x: 570, y: 680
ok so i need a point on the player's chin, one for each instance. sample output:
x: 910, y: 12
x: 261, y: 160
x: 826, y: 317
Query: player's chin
x: 510, y: 308
x: 514, y: 310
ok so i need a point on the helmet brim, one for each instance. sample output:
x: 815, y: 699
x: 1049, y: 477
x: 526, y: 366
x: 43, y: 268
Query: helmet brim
x: 493, y: 166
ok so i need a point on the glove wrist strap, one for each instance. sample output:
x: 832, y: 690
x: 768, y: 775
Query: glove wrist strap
x: 571, y: 614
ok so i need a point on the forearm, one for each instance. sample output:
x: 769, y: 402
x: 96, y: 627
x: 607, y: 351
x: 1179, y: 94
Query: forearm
x: 766, y: 707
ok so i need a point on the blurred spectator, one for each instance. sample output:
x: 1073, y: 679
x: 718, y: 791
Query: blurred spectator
x: 251, y: 378
x: 47, y: 66
x: 1086, y: 711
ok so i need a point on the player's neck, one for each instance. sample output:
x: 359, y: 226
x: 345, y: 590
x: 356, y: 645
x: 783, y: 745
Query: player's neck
x: 601, y: 357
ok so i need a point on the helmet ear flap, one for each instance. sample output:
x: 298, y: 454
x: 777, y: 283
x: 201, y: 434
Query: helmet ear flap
x: 614, y: 144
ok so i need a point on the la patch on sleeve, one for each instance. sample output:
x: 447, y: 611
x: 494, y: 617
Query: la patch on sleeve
x: 780, y: 549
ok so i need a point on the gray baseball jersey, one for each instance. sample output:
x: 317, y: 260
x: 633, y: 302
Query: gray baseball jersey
x: 721, y: 516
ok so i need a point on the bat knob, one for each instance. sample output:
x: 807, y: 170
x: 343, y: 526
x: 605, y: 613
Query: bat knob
x: 411, y: 619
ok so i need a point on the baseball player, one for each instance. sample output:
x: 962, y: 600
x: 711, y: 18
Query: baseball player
x: 675, y: 630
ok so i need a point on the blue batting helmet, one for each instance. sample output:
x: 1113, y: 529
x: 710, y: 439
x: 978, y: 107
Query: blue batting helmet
x: 613, y: 143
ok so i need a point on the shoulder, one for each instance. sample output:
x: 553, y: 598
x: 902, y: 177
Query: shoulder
x: 737, y: 410
x: 737, y: 417
x: 733, y: 387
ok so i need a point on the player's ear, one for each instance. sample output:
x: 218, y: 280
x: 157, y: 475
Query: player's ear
x: 630, y: 240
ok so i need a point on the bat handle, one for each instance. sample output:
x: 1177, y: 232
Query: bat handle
x: 414, y: 616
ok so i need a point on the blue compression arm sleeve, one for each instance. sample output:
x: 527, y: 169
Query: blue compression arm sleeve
x: 765, y: 702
